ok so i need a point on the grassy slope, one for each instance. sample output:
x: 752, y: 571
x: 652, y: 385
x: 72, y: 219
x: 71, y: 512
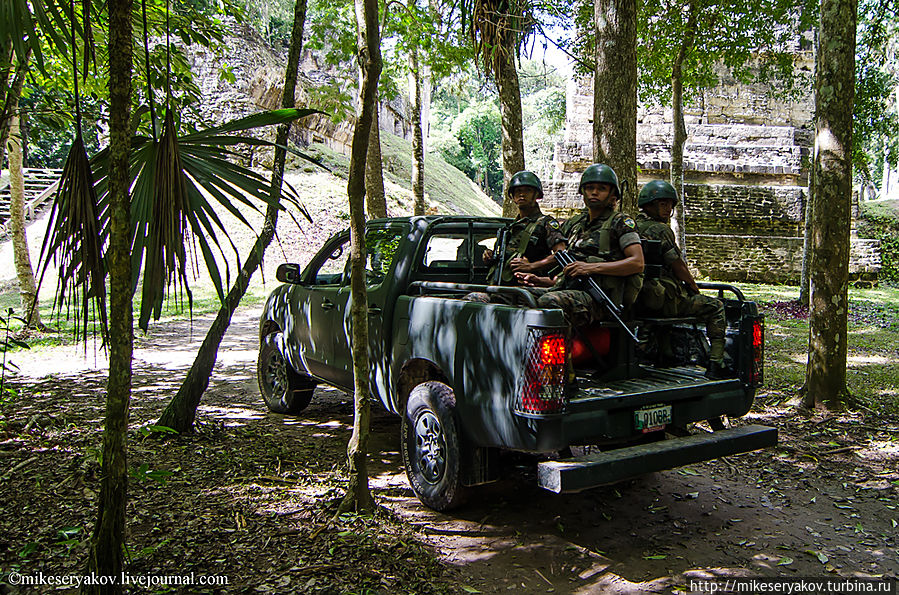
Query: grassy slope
x: 448, y: 190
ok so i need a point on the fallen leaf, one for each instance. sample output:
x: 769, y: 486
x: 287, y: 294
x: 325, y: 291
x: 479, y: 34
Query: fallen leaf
x: 822, y: 557
x: 655, y: 557
x: 468, y: 589
x: 785, y: 561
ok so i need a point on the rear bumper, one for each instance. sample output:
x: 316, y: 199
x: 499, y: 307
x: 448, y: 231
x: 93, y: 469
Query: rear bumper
x: 580, y: 473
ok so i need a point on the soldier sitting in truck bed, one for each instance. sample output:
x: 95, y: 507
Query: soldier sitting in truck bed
x: 675, y: 293
x: 605, y: 244
x: 532, y: 238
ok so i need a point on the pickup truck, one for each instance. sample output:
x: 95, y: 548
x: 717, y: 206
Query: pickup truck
x: 473, y: 379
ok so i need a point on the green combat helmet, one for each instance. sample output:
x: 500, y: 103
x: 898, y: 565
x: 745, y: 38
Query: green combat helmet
x: 602, y: 174
x: 526, y: 178
x: 656, y: 190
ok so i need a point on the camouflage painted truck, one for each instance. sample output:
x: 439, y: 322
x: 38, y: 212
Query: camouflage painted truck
x: 471, y: 380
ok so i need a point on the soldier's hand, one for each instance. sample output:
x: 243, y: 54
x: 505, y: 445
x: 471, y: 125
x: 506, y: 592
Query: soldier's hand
x: 522, y: 265
x: 579, y: 269
x: 527, y: 279
x: 488, y: 255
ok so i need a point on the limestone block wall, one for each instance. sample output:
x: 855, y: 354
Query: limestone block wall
x: 746, y: 176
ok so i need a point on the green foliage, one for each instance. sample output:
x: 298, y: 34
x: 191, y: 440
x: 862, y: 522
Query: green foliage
x: 543, y: 115
x: 875, y: 118
x: 470, y: 138
x: 6, y: 343
x: 880, y: 220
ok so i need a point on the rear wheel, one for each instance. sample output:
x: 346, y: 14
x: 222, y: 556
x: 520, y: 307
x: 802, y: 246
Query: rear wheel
x: 431, y: 447
x: 283, y: 388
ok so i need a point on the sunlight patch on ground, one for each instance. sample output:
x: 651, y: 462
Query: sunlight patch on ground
x: 799, y: 358
x: 879, y: 450
x: 858, y: 360
x: 234, y: 414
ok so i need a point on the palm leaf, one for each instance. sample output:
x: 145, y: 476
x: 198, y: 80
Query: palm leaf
x: 74, y: 242
x: 178, y: 184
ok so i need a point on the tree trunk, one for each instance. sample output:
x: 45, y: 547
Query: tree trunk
x: 418, y: 153
x: 358, y: 497
x: 806, y: 241
x: 182, y: 410
x: 11, y: 97
x: 21, y: 254
x: 615, y: 93
x: 108, y: 538
x: 834, y: 98
x: 513, y: 136
x: 375, y: 197
x: 679, y: 222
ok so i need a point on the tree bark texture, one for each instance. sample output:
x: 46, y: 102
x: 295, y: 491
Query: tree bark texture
x: 679, y: 221
x: 806, y: 242
x: 834, y: 98
x: 615, y: 93
x: 109, y: 532
x: 418, y: 149
x: 181, y: 412
x: 358, y: 497
x: 11, y: 101
x: 513, y: 135
x: 21, y: 254
x: 375, y: 196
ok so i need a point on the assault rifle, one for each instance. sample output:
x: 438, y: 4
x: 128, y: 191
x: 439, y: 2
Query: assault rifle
x: 502, y: 240
x: 589, y: 284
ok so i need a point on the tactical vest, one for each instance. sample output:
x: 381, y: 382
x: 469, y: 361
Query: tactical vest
x: 524, y: 238
x: 622, y: 290
x: 659, y: 293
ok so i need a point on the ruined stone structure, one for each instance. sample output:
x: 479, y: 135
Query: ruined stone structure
x: 746, y: 163
x: 259, y: 77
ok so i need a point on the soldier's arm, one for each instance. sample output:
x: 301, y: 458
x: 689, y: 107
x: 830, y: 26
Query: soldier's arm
x: 682, y: 273
x: 631, y: 264
x: 524, y: 266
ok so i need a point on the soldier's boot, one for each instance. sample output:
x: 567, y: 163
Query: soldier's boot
x: 716, y: 369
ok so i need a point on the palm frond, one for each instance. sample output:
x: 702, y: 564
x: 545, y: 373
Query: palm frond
x: 74, y: 242
x: 179, y: 185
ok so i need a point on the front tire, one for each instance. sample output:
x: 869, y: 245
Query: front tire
x: 283, y: 388
x: 431, y: 446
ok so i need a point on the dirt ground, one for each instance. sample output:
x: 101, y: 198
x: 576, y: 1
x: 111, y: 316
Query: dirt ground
x: 251, y: 494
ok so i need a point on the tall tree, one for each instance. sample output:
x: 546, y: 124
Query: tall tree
x: 498, y: 28
x: 108, y: 537
x: 375, y: 196
x: 358, y: 497
x: 834, y: 97
x: 180, y: 413
x: 21, y: 252
x: 615, y: 93
x: 418, y: 148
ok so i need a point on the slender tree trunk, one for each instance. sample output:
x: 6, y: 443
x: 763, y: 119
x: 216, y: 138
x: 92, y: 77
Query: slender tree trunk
x: 418, y: 153
x: 182, y: 410
x: 11, y: 97
x: 108, y: 538
x: 615, y: 93
x: 834, y: 98
x: 375, y: 197
x: 358, y: 497
x: 806, y: 241
x: 513, y: 135
x: 679, y: 222
x: 21, y: 254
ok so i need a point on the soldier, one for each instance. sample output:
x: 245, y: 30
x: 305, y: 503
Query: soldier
x: 533, y: 236
x: 674, y: 292
x: 606, y: 245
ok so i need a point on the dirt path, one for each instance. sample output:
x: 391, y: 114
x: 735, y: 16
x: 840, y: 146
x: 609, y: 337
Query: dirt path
x: 823, y: 504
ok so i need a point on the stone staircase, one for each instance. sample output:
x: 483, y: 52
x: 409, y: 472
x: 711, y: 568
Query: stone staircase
x: 40, y: 184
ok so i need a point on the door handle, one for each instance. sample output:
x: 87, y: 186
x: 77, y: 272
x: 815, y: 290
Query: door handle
x: 374, y: 311
x: 327, y: 304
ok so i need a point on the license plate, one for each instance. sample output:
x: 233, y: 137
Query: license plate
x: 649, y: 419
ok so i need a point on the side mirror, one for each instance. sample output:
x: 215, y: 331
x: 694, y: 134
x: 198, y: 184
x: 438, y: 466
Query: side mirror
x: 288, y: 273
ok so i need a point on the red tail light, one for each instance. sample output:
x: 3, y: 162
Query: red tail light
x: 758, y: 352
x: 545, y: 369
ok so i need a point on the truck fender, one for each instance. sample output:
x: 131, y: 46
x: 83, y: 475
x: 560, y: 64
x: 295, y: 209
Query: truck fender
x: 414, y: 372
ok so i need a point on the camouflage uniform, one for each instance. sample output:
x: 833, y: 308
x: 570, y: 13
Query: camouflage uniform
x: 602, y: 240
x: 668, y: 296
x: 529, y: 237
